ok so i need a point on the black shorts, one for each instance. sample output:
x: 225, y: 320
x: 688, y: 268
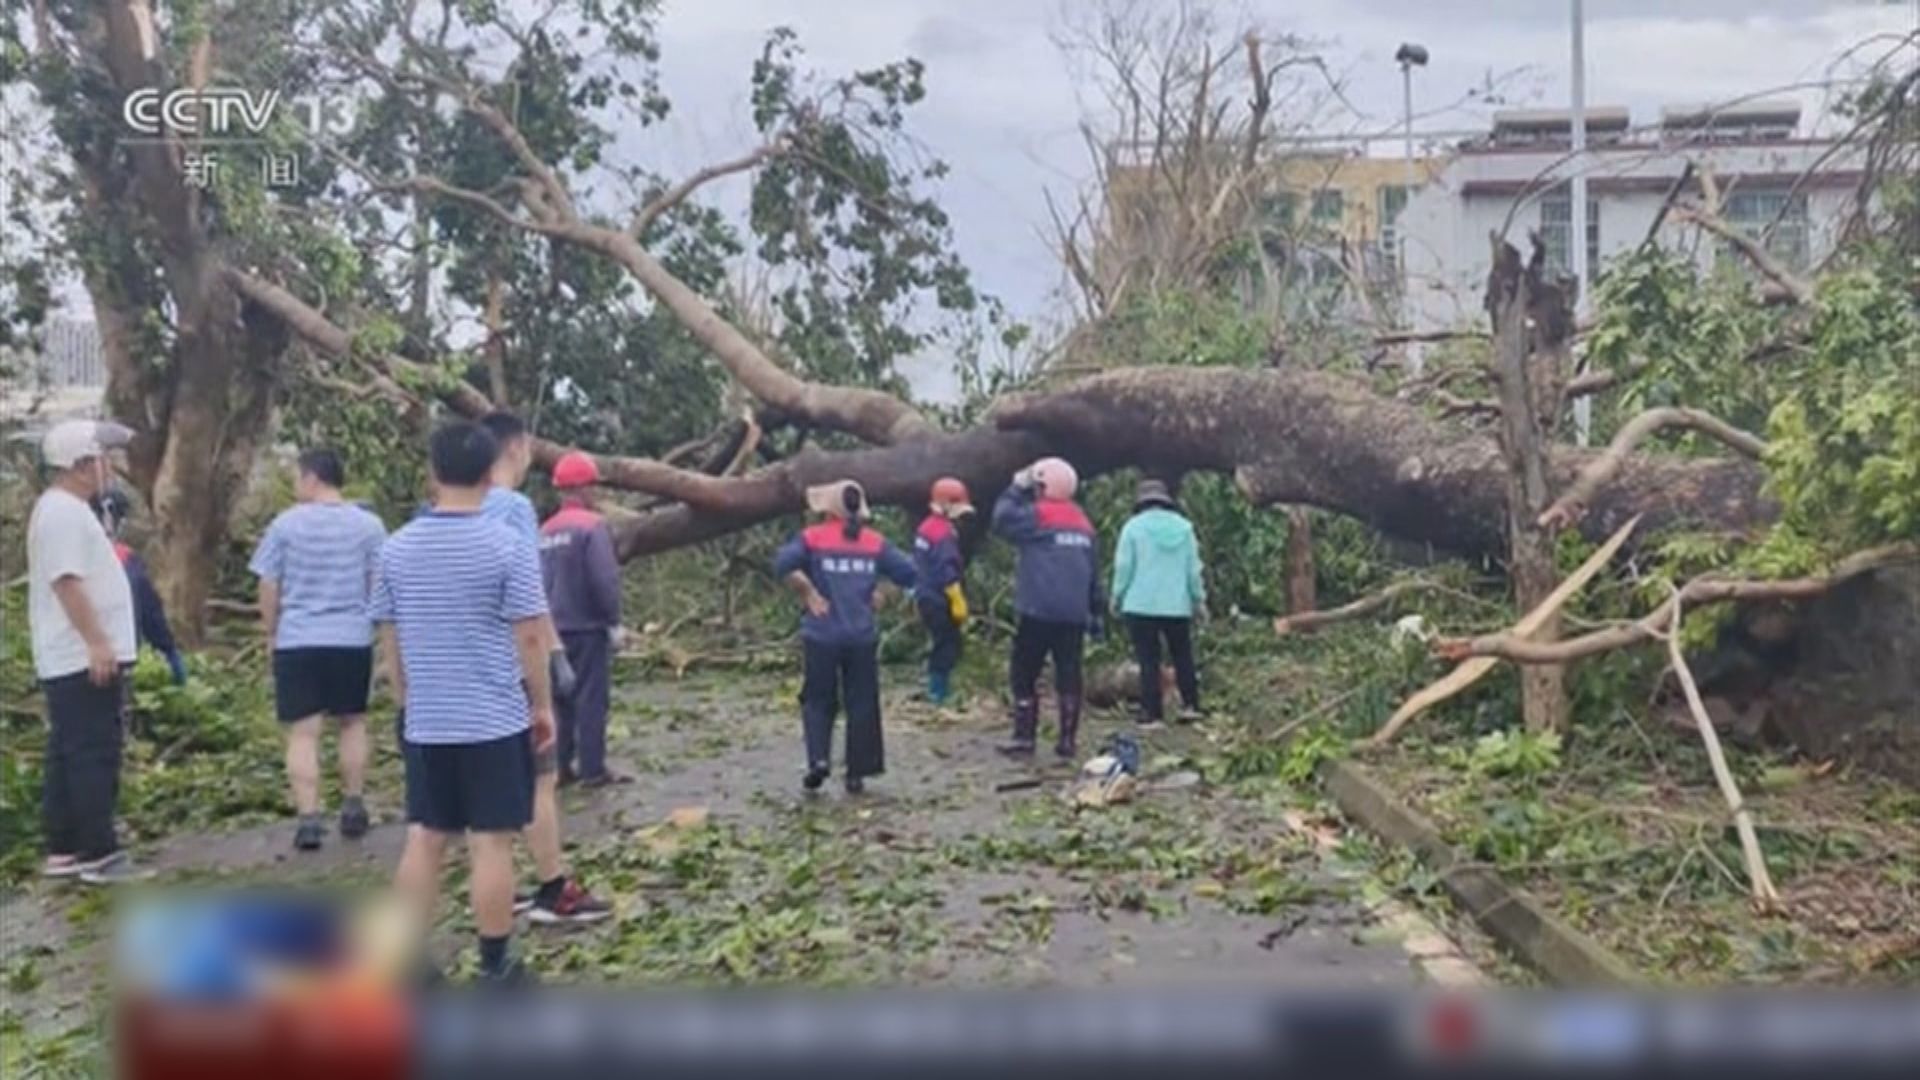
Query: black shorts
x: 311, y: 681
x: 471, y: 787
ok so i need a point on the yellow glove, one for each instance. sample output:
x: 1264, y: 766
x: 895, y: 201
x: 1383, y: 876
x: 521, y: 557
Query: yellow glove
x: 957, y: 604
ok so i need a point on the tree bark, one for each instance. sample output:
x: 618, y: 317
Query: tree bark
x: 1301, y: 595
x: 1525, y: 360
x: 495, y: 349
x: 203, y: 409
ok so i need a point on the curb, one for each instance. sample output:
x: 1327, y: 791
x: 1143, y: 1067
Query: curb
x: 1509, y: 914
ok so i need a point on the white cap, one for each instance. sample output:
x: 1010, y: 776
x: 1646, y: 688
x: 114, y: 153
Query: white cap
x: 73, y: 441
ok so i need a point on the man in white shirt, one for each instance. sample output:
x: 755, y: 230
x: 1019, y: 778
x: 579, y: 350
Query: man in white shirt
x: 80, y: 617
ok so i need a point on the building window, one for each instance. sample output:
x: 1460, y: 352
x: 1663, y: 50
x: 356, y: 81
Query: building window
x: 1754, y: 212
x: 1329, y: 207
x: 1393, y: 200
x: 1556, y: 224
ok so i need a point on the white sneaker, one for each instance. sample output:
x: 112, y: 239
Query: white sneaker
x: 61, y: 866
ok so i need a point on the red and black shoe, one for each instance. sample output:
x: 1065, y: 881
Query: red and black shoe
x: 573, y: 904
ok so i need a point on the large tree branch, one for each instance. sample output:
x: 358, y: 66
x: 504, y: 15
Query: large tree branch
x: 678, y: 193
x: 1701, y: 590
x: 559, y: 202
x: 630, y: 473
x: 1568, y: 506
x: 872, y: 415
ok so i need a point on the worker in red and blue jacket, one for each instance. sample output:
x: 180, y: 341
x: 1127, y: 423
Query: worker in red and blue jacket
x: 834, y: 567
x: 582, y: 577
x: 1056, y: 592
x: 938, y: 568
x: 149, y: 615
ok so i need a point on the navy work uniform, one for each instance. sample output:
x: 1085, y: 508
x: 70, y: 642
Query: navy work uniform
x: 842, y: 646
x: 582, y: 578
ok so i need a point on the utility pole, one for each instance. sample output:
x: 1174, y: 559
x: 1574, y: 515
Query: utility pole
x: 1409, y: 57
x: 1577, y: 198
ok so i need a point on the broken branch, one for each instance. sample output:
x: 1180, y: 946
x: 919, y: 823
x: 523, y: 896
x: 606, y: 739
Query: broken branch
x: 1701, y: 590
x: 1477, y: 667
x: 1758, y: 879
x: 1308, y: 621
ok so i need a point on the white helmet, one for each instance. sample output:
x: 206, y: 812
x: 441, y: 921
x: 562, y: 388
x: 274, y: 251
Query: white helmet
x: 1055, y: 478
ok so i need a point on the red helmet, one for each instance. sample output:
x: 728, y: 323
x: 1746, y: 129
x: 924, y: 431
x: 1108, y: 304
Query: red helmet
x: 575, y: 470
x: 950, y: 499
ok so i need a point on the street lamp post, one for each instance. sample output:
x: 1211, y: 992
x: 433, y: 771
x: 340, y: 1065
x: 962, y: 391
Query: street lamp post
x: 1577, y: 205
x: 1409, y: 57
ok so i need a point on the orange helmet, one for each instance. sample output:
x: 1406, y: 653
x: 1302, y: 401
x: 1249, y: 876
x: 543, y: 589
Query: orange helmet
x: 575, y: 470
x: 950, y: 497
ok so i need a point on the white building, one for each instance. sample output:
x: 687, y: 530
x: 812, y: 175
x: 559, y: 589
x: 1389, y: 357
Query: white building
x: 1513, y: 182
x: 65, y: 378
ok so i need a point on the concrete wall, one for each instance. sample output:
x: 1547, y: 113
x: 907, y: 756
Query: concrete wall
x: 1447, y: 223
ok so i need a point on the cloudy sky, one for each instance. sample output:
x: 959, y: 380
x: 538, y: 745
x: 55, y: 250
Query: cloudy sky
x: 1002, y: 109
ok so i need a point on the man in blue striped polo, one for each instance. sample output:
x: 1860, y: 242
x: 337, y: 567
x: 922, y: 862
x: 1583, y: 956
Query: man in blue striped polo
x: 315, y: 565
x: 462, y: 615
x: 558, y: 897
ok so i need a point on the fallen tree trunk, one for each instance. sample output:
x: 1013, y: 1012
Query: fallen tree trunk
x: 1288, y: 436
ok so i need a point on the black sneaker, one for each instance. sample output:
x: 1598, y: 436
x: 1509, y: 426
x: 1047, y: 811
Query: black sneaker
x: 814, y: 778
x: 354, y: 821
x: 605, y: 779
x: 855, y: 785
x: 523, y: 902
x: 308, y: 835
x: 1020, y: 748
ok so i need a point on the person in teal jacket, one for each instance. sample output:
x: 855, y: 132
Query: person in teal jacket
x: 1158, y: 588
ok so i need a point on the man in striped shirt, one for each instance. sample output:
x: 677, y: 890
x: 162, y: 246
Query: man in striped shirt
x: 315, y: 564
x: 559, y: 898
x: 463, y: 619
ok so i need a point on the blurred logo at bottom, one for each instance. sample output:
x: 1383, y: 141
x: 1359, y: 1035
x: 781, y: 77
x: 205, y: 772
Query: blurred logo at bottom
x: 212, y: 985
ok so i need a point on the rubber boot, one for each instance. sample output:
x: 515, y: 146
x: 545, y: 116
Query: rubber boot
x: 1069, y: 742
x: 937, y: 687
x: 1026, y: 721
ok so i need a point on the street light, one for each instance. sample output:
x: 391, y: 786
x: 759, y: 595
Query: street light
x: 1409, y: 57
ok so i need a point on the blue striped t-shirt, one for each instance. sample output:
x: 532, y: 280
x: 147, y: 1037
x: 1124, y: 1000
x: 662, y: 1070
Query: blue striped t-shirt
x: 514, y: 510
x: 322, y: 555
x: 453, y: 584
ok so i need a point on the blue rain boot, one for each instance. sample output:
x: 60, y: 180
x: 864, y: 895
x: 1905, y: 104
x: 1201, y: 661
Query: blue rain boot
x: 937, y: 688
